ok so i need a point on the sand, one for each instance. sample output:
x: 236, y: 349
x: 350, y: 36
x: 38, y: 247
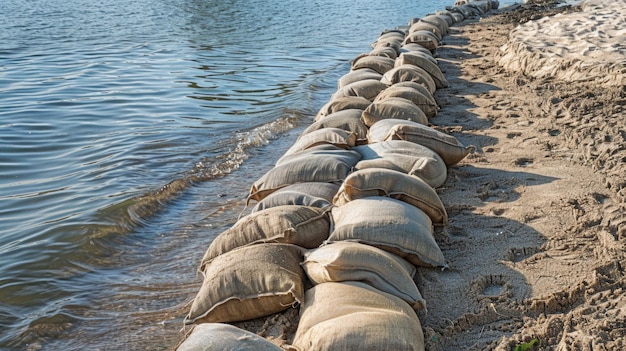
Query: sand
x: 535, y: 244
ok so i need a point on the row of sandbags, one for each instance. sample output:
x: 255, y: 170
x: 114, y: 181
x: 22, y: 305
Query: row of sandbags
x: 345, y: 216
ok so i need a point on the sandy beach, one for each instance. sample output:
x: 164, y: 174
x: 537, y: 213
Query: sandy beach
x: 537, y: 214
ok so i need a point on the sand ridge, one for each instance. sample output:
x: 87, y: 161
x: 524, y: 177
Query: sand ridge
x: 586, y: 45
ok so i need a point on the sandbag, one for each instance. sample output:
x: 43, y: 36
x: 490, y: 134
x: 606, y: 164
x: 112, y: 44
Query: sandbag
x: 379, y: 64
x: 446, y: 16
x: 393, y: 107
x: 358, y: 75
x: 385, y: 182
x: 421, y: 88
x: 323, y: 190
x: 437, y: 21
x: 413, y: 47
x: 425, y: 62
x: 427, y: 39
x: 391, y: 225
x: 327, y: 136
x: 349, y: 120
x: 314, y: 168
x: 367, y: 88
x: 394, y: 43
x: 384, y: 51
x: 342, y: 103
x: 446, y: 146
x: 281, y: 198
x: 409, y: 73
x: 353, y: 316
x: 406, y: 157
x: 427, y: 27
x: 220, y: 337
x: 424, y: 102
x: 249, y: 282
x: 347, y: 156
x: 304, y: 226
x: 352, y: 261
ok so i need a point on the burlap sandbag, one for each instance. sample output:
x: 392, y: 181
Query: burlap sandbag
x: 368, y: 88
x: 393, y: 107
x: 326, y: 191
x: 304, y: 226
x: 308, y: 167
x: 347, y: 156
x: 406, y: 157
x: 281, y: 198
x: 409, y: 73
x: 379, y: 64
x: 424, y: 38
x: 353, y: 316
x: 358, y: 75
x: 421, y: 88
x: 424, y: 102
x: 437, y: 21
x: 448, y: 147
x: 349, y: 120
x: 425, y: 62
x: 353, y: 261
x: 327, y: 136
x: 386, y: 182
x: 427, y: 27
x: 446, y: 16
x: 249, y: 282
x: 412, y: 47
x: 220, y: 337
x: 384, y: 51
x: 391, y: 225
x: 394, y: 43
x: 341, y: 104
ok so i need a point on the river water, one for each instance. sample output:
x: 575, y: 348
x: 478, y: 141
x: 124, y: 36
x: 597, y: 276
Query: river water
x: 130, y: 133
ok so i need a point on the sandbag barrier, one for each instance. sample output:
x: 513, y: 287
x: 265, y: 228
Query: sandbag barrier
x: 346, y: 216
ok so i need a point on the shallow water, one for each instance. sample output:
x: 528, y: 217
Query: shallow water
x: 130, y: 132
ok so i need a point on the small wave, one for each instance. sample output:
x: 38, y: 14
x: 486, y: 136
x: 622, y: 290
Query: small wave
x: 126, y: 215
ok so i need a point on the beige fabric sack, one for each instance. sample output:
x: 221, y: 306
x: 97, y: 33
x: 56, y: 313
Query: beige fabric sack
x: 384, y: 51
x: 324, y: 190
x: 352, y: 261
x: 414, y: 48
x: 379, y: 64
x: 427, y: 27
x: 347, y: 156
x: 424, y: 102
x: 421, y: 88
x: 281, y: 198
x: 445, y: 145
x: 391, y: 225
x: 437, y: 21
x: 349, y: 120
x: 394, y: 43
x: 424, y: 38
x: 327, y: 136
x: 341, y: 104
x: 406, y: 157
x: 425, y: 62
x: 368, y: 88
x: 393, y: 107
x: 250, y: 282
x: 409, y: 73
x: 353, y: 316
x: 358, y: 75
x: 386, y: 182
x: 304, y: 226
x: 220, y: 337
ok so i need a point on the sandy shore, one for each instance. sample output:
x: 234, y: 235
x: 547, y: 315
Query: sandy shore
x: 537, y: 233
x: 537, y: 230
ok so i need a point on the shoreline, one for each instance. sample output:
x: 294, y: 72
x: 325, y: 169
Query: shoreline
x: 536, y: 230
